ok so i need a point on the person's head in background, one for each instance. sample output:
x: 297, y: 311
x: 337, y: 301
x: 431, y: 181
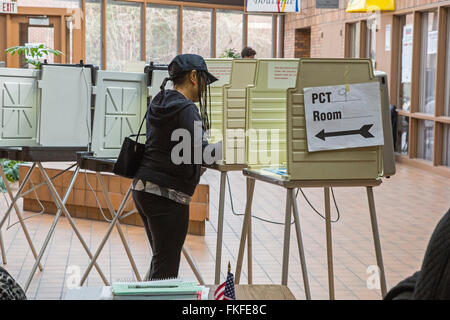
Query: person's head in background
x: 248, y: 53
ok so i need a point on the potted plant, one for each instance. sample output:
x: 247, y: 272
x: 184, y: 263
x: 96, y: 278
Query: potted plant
x: 33, y: 53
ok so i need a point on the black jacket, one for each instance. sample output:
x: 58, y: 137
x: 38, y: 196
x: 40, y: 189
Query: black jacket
x: 166, y: 113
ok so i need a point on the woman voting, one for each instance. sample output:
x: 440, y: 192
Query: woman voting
x: 170, y: 170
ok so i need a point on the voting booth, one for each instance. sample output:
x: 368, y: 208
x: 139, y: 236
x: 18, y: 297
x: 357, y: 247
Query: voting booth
x: 234, y: 110
x: 333, y: 129
x: 221, y: 69
x: 19, y: 98
x: 266, y: 113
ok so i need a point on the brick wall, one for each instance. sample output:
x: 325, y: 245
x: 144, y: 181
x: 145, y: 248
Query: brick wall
x: 328, y: 25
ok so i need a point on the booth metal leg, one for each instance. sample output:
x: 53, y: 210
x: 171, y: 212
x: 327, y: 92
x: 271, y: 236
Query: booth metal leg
x: 376, y: 240
x: 329, y: 243
x: 18, y: 195
x: 300, y: 246
x: 2, y: 248
x: 19, y: 215
x: 118, y: 226
x: 188, y: 256
x: 244, y: 233
x: 61, y: 206
x: 51, y: 231
x: 249, y: 250
x: 287, y: 236
x: 106, y: 237
x: 223, y: 180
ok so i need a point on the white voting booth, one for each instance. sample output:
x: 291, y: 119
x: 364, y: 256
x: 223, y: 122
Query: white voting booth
x: 19, y: 98
x: 32, y: 115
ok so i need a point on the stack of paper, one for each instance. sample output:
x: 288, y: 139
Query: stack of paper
x: 173, y: 289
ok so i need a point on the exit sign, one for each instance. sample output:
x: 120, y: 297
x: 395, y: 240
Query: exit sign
x: 8, y: 7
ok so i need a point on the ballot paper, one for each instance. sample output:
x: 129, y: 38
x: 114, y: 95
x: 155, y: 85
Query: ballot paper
x: 172, y: 289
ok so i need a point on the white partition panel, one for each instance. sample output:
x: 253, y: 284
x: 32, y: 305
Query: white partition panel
x: 65, y: 119
x: 158, y: 77
x: 121, y: 100
x: 19, y: 104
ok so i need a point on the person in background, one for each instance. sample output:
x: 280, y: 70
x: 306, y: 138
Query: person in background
x: 163, y: 185
x: 248, y: 53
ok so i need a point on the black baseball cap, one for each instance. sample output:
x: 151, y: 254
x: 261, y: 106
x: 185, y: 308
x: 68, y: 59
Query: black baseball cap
x: 189, y: 62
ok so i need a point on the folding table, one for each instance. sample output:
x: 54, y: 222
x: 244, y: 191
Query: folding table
x: 291, y: 207
x: 38, y: 155
x: 106, y: 165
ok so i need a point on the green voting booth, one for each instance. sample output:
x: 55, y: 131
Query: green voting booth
x: 228, y: 114
x: 282, y: 149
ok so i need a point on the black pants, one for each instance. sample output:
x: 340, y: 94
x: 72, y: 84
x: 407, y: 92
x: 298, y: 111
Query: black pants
x: 166, y: 223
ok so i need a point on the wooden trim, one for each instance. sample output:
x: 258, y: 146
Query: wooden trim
x: 395, y: 61
x: 282, y: 19
x: 144, y: 32
x: 274, y: 35
x: 191, y: 4
x: 83, y: 30
x: 423, y: 165
x: 347, y: 44
x: 416, y: 58
x: 63, y: 36
x: 38, y: 11
x: 180, y: 29
x: 438, y: 143
x: 441, y: 61
x: 214, y: 33
x: 443, y: 119
x: 9, y: 39
x: 363, y: 39
x: 103, y: 31
x: 245, y: 31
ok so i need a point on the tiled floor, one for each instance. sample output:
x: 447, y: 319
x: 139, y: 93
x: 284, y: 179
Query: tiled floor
x: 409, y: 205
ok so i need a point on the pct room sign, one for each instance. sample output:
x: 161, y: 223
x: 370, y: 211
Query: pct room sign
x: 8, y: 7
x: 273, y: 6
x: 344, y: 116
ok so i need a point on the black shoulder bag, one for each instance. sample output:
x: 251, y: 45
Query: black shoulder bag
x: 130, y: 156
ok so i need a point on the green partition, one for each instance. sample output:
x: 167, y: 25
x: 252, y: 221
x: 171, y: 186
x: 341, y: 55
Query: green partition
x: 234, y: 113
x: 266, y: 113
x: 356, y: 163
x: 221, y: 69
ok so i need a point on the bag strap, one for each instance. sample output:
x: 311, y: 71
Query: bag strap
x: 140, y: 128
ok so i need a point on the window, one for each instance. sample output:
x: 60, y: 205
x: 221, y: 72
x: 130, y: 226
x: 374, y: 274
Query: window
x: 123, y: 34
x: 371, y: 40
x: 260, y: 35
x: 425, y: 140
x: 229, y: 30
x: 162, y: 20
x: 50, y: 3
x: 93, y: 32
x: 428, y: 62
x: 405, y: 61
x: 197, y: 31
x: 446, y: 146
x: 354, y: 36
x: 401, y: 143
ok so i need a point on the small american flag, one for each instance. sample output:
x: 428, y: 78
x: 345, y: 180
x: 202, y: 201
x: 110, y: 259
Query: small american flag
x: 226, y: 290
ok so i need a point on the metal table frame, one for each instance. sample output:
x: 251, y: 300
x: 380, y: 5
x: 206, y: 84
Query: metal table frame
x: 38, y: 155
x: 291, y: 208
x: 224, y: 169
x: 99, y: 165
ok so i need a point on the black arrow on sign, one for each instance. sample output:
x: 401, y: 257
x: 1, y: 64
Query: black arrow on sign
x: 364, y: 131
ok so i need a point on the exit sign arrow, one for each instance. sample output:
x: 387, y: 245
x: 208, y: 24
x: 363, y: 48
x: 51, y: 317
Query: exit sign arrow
x: 364, y: 131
